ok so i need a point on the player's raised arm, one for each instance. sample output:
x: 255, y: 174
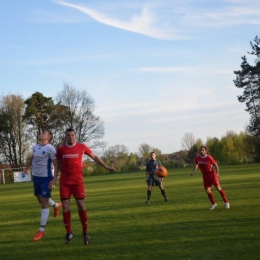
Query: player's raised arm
x: 99, y: 161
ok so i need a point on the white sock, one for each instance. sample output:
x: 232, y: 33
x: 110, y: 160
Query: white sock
x: 52, y: 203
x: 44, y: 217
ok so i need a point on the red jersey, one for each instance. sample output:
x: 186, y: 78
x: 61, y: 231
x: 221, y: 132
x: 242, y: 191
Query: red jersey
x: 205, y: 164
x: 71, y: 160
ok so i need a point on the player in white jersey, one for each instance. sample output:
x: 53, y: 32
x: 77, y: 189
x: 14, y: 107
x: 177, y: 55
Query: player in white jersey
x: 43, y: 160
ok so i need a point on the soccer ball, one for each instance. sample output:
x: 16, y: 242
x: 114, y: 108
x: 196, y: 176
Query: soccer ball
x: 161, y: 172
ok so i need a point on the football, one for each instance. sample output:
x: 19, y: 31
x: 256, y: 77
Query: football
x: 161, y: 172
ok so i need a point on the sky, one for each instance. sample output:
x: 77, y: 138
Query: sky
x: 155, y: 69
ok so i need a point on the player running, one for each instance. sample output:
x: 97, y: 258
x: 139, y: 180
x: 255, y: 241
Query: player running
x: 42, y: 162
x: 70, y: 162
x: 210, y: 176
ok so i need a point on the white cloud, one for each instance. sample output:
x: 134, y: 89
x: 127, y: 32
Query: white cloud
x: 144, y: 23
x: 171, y: 20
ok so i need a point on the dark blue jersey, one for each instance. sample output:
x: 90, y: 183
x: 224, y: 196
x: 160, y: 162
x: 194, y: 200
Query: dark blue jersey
x: 152, y: 165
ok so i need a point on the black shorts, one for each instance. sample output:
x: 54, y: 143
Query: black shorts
x: 154, y: 180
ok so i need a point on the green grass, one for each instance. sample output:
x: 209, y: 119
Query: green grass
x: 122, y: 226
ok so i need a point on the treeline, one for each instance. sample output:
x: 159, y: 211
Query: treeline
x: 230, y: 149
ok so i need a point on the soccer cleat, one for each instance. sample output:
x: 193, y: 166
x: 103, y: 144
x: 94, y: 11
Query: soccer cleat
x: 39, y: 235
x: 147, y: 202
x: 68, y: 237
x: 56, y: 210
x: 166, y: 200
x: 227, y: 205
x: 86, y: 238
x: 213, y: 206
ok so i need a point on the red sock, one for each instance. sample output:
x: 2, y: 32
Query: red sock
x: 84, y: 220
x: 211, y: 198
x: 67, y: 221
x: 223, y: 195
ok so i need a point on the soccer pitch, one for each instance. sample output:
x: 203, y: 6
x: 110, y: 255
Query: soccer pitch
x: 122, y: 226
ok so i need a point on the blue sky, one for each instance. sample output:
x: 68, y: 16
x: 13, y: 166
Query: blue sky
x: 155, y: 69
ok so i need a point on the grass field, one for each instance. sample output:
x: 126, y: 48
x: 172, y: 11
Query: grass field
x: 122, y: 226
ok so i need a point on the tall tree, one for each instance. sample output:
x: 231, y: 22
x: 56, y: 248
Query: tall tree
x: 144, y: 152
x: 248, y: 78
x: 14, y: 147
x: 187, y: 141
x: 38, y: 113
x: 194, y: 150
x: 80, y: 116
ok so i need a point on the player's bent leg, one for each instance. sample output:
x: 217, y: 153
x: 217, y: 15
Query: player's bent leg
x: 57, y: 208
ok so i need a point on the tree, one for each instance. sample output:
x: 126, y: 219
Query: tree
x: 132, y: 162
x: 38, y: 114
x: 117, y: 156
x: 80, y: 116
x: 144, y: 151
x: 187, y: 141
x: 248, y: 78
x: 14, y: 147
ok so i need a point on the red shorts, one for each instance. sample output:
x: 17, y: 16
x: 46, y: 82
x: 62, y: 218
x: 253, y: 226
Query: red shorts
x: 69, y: 187
x: 208, y: 181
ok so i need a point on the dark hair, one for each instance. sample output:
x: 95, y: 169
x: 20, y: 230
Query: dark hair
x: 70, y: 130
x: 203, y: 146
x: 152, y: 153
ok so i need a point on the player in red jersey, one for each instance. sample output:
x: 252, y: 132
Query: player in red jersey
x: 70, y: 162
x: 206, y: 163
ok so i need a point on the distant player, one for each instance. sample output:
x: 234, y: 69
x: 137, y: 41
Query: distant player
x: 42, y: 162
x: 70, y: 162
x: 152, y: 179
x: 206, y: 163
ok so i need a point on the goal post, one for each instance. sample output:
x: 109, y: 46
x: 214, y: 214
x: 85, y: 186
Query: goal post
x: 13, y: 175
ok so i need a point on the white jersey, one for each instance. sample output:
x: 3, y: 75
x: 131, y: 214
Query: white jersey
x: 42, y: 160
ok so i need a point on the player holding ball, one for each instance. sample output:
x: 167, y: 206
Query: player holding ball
x: 152, y: 178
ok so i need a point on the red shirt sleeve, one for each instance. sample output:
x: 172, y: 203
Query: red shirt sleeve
x: 87, y: 150
x: 212, y: 160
